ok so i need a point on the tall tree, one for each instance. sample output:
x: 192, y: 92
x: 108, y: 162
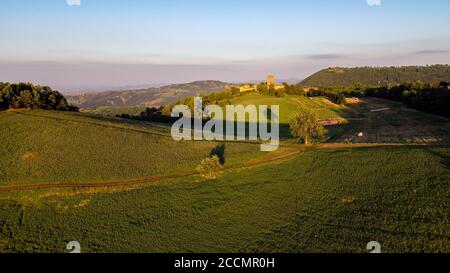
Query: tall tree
x: 305, y: 126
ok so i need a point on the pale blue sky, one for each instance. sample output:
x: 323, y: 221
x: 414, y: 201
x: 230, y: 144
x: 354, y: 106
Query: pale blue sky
x: 104, y: 43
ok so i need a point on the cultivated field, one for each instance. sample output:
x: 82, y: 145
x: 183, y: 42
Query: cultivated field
x: 126, y: 186
x: 290, y: 104
x: 321, y: 201
x: 55, y: 147
x: 383, y: 121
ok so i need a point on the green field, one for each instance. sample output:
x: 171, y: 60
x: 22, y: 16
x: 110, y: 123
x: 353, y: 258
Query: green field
x: 322, y: 201
x: 45, y: 147
x: 334, y: 197
x: 290, y: 104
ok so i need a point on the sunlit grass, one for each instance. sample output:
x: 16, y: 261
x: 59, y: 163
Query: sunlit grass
x: 322, y: 201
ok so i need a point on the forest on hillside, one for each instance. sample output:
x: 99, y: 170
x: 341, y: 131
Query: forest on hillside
x: 377, y: 76
x: 27, y: 95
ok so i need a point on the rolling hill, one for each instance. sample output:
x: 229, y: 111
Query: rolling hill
x: 146, y: 97
x: 377, y: 76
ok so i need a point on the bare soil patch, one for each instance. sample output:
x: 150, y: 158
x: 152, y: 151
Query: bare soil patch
x: 395, y: 124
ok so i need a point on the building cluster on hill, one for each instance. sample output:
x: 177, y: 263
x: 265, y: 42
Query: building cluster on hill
x: 270, y: 84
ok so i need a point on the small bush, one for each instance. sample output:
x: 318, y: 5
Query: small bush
x: 210, y: 168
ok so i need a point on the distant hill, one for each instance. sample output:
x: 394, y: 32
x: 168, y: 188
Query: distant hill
x: 146, y: 97
x: 379, y: 76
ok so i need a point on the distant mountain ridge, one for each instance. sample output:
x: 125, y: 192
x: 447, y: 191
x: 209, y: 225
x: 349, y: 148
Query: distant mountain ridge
x: 377, y: 76
x: 148, y: 96
x: 337, y: 76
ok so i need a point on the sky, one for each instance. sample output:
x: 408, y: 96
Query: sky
x: 99, y: 44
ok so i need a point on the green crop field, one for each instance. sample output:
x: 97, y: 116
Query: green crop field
x: 290, y: 104
x: 45, y: 147
x: 321, y: 201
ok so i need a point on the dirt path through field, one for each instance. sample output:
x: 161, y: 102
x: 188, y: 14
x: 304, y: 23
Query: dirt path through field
x: 274, y: 157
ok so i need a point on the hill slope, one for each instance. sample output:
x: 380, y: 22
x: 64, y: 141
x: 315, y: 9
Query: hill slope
x: 147, y: 97
x: 322, y: 201
x: 383, y: 76
x: 64, y: 147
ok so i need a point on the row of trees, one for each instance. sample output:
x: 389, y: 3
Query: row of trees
x: 335, y: 94
x: 27, y: 95
x: 163, y: 114
x: 336, y: 97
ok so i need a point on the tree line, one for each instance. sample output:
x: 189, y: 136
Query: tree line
x: 27, y: 95
x: 163, y: 114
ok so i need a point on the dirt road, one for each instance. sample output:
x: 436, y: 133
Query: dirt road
x: 274, y: 157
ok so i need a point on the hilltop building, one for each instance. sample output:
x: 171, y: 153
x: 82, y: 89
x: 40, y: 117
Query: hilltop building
x: 270, y: 82
x: 248, y: 88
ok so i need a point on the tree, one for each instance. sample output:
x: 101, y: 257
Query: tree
x: 235, y: 91
x: 26, y: 99
x: 167, y: 110
x: 305, y: 126
x: 210, y: 168
x: 26, y: 95
x: 341, y: 99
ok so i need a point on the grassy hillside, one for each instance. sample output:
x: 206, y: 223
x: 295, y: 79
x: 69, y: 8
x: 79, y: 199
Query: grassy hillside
x: 113, y: 111
x: 48, y: 146
x: 146, y: 97
x: 322, y: 201
x: 290, y: 104
x: 378, y: 76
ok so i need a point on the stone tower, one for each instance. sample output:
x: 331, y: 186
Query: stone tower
x: 270, y: 81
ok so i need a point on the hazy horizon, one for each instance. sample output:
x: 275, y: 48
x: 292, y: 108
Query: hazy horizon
x: 75, y: 45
